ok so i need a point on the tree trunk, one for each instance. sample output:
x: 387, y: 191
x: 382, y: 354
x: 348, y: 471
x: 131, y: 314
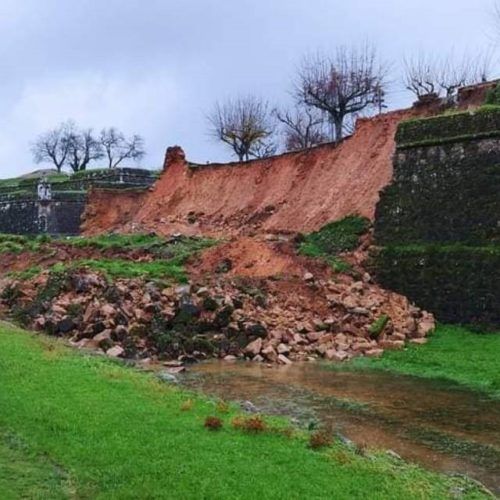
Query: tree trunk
x: 339, y: 125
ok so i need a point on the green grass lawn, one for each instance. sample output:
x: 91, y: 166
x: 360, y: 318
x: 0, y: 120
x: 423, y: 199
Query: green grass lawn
x: 119, y: 268
x: 79, y: 426
x: 453, y: 353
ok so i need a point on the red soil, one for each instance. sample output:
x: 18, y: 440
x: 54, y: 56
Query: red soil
x: 107, y: 209
x: 298, y: 191
x: 253, y: 257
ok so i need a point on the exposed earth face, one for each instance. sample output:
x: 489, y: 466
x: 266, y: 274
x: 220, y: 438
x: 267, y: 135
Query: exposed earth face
x: 293, y: 192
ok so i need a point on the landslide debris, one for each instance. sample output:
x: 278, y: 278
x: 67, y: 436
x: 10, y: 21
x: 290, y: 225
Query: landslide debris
x: 250, y: 298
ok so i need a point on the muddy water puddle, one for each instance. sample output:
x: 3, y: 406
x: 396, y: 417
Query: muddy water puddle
x: 431, y: 423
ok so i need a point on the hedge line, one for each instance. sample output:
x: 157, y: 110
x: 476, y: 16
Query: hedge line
x: 459, y: 284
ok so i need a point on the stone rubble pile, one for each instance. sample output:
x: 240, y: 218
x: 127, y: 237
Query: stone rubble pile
x: 228, y: 319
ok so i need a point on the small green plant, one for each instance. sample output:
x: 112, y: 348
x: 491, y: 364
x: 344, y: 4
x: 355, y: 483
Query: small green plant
x: 27, y: 274
x: 14, y: 243
x: 128, y: 269
x: 335, y: 237
x: 213, y: 423
x: 222, y: 407
x: 74, y: 310
x: 10, y: 294
x: 187, y: 405
x: 377, y: 327
x: 162, y: 248
x: 339, y: 265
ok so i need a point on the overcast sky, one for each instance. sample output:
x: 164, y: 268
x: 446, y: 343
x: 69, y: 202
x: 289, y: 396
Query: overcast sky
x: 155, y: 67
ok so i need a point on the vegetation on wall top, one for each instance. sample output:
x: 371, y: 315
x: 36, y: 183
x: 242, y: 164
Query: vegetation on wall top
x: 451, y: 127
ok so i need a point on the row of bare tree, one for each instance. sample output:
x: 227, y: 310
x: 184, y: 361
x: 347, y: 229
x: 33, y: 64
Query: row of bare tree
x: 329, y: 93
x: 71, y: 147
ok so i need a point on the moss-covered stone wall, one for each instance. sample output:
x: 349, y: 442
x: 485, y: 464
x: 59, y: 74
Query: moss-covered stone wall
x: 438, y: 222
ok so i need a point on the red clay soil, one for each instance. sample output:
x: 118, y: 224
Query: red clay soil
x: 253, y: 257
x: 109, y: 208
x: 292, y: 192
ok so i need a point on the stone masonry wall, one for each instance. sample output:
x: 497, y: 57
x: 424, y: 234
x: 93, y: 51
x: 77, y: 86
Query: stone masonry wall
x: 438, y: 222
x: 24, y: 210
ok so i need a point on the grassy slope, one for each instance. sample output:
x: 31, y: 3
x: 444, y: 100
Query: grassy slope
x: 96, y: 429
x: 452, y: 353
x: 168, y: 263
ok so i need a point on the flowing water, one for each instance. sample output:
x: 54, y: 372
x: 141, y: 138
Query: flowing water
x: 431, y: 423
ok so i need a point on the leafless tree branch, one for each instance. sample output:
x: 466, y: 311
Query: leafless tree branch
x: 118, y: 148
x: 348, y: 82
x: 425, y: 75
x: 245, y: 125
x: 53, y: 146
x: 303, y: 127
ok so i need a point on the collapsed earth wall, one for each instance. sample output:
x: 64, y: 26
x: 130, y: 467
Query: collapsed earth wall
x: 299, y: 191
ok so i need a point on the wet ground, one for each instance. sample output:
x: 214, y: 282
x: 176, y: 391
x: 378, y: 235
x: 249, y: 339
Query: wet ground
x: 431, y: 423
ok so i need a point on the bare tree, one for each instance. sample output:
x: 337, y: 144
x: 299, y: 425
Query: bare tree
x: 53, y: 146
x: 303, y: 127
x: 425, y: 75
x: 348, y: 82
x: 83, y: 148
x: 245, y: 125
x: 118, y: 148
x: 420, y: 76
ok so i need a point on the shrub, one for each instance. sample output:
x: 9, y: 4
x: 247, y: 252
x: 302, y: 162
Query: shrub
x: 320, y: 439
x: 25, y: 275
x: 254, y: 424
x: 213, y: 423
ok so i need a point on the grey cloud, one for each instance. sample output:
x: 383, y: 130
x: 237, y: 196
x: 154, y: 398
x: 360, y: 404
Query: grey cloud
x: 155, y: 67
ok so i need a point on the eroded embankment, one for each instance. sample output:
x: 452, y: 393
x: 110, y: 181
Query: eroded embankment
x: 293, y: 192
